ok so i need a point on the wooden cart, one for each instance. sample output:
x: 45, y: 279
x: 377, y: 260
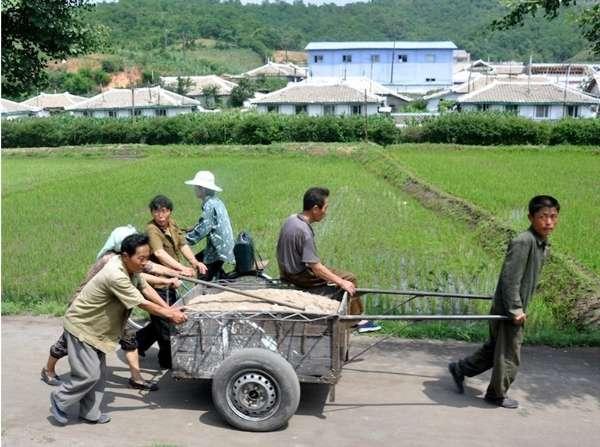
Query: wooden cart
x: 257, y: 360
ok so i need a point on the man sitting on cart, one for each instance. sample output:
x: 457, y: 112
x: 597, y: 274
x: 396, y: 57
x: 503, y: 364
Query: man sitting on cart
x: 299, y: 263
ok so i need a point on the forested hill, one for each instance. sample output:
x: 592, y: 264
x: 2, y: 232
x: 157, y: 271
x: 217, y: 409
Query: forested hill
x: 151, y: 24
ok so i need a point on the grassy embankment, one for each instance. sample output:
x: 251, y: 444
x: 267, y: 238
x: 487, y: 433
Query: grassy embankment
x: 59, y: 207
x: 488, y: 188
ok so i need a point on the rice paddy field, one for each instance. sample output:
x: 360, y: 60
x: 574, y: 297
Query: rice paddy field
x: 60, y: 205
x: 502, y: 179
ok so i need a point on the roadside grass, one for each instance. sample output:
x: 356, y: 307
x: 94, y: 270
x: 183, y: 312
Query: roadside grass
x: 60, y: 205
x: 507, y: 177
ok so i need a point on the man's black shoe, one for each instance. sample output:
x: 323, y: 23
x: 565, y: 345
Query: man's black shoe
x: 459, y: 377
x: 503, y: 402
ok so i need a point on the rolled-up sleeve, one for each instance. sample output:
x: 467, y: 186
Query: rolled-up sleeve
x: 124, y: 290
x: 204, y: 226
x: 155, y: 238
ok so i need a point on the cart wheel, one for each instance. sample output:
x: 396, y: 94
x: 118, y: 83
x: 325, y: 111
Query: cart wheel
x: 256, y: 390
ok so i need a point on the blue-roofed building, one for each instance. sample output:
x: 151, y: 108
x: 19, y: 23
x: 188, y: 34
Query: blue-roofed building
x: 403, y: 66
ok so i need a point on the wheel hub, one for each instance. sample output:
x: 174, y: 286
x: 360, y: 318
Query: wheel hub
x: 253, y: 395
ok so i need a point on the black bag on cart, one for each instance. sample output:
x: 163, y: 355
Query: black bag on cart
x: 243, y: 250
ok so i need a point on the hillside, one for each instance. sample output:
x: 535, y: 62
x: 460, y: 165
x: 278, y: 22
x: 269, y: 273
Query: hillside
x: 146, y: 25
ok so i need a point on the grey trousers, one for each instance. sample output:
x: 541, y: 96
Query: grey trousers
x: 502, y: 353
x: 85, y: 385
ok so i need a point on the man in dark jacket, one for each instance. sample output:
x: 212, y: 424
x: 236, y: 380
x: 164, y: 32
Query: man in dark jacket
x: 518, y: 280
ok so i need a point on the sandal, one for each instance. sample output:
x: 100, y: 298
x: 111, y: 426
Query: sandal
x: 50, y: 380
x: 146, y: 385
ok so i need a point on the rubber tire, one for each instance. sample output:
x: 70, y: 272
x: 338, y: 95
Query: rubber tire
x: 262, y: 360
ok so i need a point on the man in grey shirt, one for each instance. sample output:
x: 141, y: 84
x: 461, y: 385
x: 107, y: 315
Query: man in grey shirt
x: 299, y: 263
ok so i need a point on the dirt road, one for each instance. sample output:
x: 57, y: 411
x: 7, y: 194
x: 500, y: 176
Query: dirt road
x: 397, y: 394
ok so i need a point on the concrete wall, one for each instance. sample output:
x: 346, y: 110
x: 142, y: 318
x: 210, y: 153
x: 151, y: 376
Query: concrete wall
x: 556, y: 111
x: 318, y: 109
x: 409, y: 76
x: 126, y: 113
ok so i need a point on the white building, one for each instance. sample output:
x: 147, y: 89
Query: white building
x: 319, y: 99
x: 147, y: 101
x: 51, y: 103
x: 199, y: 84
x: 11, y: 110
x: 289, y: 71
x: 539, y: 101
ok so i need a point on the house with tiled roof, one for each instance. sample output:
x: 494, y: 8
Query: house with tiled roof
x: 197, y: 87
x: 539, y: 101
x: 290, y: 72
x: 319, y: 99
x: 392, y: 99
x: 12, y: 110
x: 53, y: 102
x: 147, y: 101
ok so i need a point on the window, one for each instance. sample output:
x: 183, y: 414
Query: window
x: 301, y: 109
x: 573, y: 111
x: 542, y: 111
x: 483, y: 107
x: 112, y: 114
x: 430, y: 58
x: 512, y: 109
x: 357, y: 110
x: 374, y: 58
x: 329, y: 109
x: 318, y: 58
x: 402, y: 58
x: 347, y: 58
x: 272, y: 108
x: 429, y: 79
x: 160, y: 112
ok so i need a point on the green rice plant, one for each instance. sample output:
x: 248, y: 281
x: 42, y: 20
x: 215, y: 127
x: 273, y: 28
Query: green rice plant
x: 59, y: 206
x: 501, y: 180
x: 71, y: 202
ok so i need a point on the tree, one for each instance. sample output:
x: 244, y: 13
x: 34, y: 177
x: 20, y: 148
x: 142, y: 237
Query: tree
x: 243, y: 91
x: 34, y: 31
x: 211, y: 96
x: 588, y: 17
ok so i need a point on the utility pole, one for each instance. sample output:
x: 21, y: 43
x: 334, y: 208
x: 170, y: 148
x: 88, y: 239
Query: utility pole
x: 565, y: 95
x: 393, y: 59
x: 366, y: 119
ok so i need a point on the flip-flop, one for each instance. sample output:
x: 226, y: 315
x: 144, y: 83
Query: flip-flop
x: 146, y: 385
x: 52, y: 381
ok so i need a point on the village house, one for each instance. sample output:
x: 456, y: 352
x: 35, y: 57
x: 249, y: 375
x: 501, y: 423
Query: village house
x: 201, y: 88
x: 475, y: 81
x: 147, y: 101
x: 391, y: 99
x: 319, y: 99
x: 571, y: 75
x: 52, y: 103
x: 416, y: 67
x: 538, y: 101
x: 288, y: 72
x: 12, y: 110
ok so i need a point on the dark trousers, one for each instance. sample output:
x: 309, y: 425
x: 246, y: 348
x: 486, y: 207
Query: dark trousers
x: 158, y: 330
x: 312, y: 283
x: 215, y: 269
x: 502, y: 353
